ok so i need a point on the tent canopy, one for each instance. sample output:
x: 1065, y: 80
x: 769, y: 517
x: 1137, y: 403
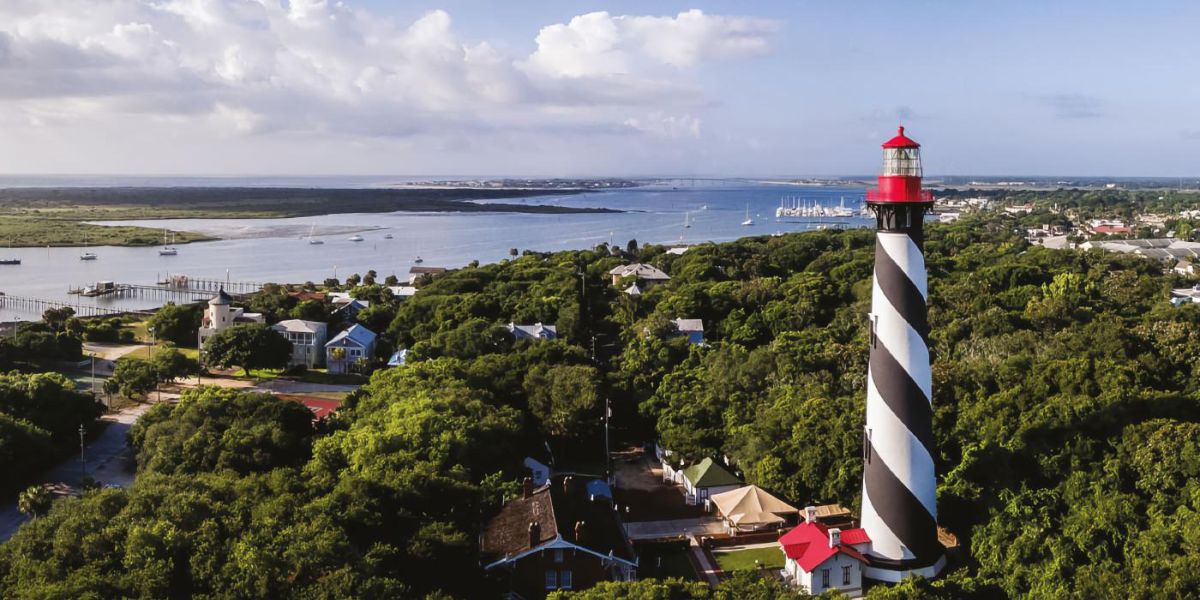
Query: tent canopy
x: 750, y: 505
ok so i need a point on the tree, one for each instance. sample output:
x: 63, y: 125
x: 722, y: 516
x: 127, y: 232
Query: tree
x: 56, y: 317
x: 564, y: 398
x: 35, y: 501
x: 176, y: 323
x: 132, y: 378
x: 170, y: 364
x: 311, y: 310
x: 249, y: 347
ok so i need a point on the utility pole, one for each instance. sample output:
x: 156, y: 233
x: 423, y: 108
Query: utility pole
x: 607, y: 454
x: 82, y: 458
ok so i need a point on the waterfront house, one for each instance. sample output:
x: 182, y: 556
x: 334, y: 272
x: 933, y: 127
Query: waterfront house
x: 692, y: 329
x: 705, y: 479
x: 348, y: 311
x: 308, y: 341
x: 537, y: 331
x: 648, y: 275
x: 402, y: 292
x: 221, y: 315
x: 557, y: 536
x: 415, y: 273
x: 346, y: 349
x: 819, y: 558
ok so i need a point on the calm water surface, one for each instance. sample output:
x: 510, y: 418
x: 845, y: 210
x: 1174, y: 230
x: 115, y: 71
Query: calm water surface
x: 276, y: 249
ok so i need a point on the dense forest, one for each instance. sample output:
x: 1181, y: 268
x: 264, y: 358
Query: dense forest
x: 1066, y: 420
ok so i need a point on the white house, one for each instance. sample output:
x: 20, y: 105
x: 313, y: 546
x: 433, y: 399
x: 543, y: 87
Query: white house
x: 537, y: 331
x: 705, y: 479
x: 648, y: 274
x: 344, y: 351
x: 692, y: 329
x: 819, y: 558
x: 402, y: 292
x: 415, y: 273
x: 221, y: 315
x: 308, y: 341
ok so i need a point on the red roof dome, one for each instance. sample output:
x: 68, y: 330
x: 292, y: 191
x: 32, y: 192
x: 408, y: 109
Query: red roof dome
x: 901, y: 141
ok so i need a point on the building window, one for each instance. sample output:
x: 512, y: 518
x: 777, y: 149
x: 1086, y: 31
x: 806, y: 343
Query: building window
x: 564, y: 580
x: 551, y: 579
x: 824, y: 578
x: 846, y: 575
x: 558, y: 555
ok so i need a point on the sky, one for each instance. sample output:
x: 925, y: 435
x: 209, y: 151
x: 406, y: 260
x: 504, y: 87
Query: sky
x: 565, y: 88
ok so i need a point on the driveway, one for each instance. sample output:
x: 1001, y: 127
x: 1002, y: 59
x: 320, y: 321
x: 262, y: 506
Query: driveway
x: 640, y: 488
x: 109, y: 461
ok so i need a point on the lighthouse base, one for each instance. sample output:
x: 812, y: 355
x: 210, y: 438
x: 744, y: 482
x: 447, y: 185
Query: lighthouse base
x: 898, y: 571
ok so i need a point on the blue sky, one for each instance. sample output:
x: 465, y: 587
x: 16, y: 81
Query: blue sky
x: 553, y: 89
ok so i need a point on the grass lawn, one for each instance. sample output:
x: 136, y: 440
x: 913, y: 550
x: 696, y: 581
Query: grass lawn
x: 674, y: 561
x: 743, y: 560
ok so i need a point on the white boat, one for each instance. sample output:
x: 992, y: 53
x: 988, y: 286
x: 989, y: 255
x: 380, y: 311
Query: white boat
x: 687, y: 220
x: 168, y: 249
x: 748, y: 222
x: 312, y: 240
x: 418, y: 260
x: 355, y: 238
x: 88, y: 256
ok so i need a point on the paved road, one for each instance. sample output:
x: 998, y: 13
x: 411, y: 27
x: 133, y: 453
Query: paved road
x: 109, y: 461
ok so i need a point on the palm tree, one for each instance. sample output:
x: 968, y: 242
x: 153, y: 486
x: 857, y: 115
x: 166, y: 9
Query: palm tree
x: 34, y: 501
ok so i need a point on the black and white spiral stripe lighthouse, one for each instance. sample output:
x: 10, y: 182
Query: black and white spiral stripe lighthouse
x: 899, y: 503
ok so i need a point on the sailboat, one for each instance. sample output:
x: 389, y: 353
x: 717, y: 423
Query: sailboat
x: 355, y: 238
x: 85, y: 255
x: 167, y: 250
x: 748, y: 222
x: 312, y: 240
x: 687, y: 220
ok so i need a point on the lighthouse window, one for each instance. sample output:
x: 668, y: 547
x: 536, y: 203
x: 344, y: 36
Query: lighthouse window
x: 905, y: 162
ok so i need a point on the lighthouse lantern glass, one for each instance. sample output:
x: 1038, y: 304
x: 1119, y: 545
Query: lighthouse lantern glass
x: 902, y: 162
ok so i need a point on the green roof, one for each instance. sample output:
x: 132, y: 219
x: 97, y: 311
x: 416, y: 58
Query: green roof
x: 707, y: 473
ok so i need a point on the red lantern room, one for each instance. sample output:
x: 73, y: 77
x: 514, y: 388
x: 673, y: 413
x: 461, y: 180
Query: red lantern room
x: 900, y: 180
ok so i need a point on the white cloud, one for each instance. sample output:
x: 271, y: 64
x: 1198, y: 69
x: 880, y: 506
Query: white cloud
x: 271, y: 67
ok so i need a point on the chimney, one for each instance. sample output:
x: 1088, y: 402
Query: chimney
x: 535, y: 533
x: 810, y: 514
x: 835, y: 537
x: 526, y: 487
x: 578, y: 532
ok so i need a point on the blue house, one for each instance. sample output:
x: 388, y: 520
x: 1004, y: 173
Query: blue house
x: 692, y: 329
x: 346, y: 349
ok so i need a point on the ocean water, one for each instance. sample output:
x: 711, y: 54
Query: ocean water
x: 276, y: 250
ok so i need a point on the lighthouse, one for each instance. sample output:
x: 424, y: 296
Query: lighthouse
x: 899, y: 501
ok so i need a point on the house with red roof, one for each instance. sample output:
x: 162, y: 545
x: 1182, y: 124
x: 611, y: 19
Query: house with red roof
x: 818, y: 557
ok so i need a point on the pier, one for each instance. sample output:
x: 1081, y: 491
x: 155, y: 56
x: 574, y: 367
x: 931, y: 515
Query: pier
x: 201, y: 285
x: 38, y: 305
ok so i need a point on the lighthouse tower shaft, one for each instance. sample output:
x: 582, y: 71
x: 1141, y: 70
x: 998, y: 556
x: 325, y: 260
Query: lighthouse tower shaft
x: 899, y: 502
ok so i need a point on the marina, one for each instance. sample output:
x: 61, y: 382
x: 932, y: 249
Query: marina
x: 296, y: 250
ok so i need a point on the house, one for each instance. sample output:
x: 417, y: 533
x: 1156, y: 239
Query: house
x: 399, y: 358
x: 633, y: 290
x: 308, y: 341
x: 750, y: 508
x: 819, y: 558
x: 221, y: 315
x: 557, y: 536
x: 537, y: 331
x: 692, y: 329
x: 402, y: 292
x: 348, y: 311
x: 705, y: 479
x: 1185, y: 295
x: 1185, y: 268
x: 539, y: 472
x: 344, y: 351
x: 647, y: 274
x: 415, y: 273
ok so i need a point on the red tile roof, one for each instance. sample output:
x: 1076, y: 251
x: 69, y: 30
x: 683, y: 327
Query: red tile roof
x: 808, y: 544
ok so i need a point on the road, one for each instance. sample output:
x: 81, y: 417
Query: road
x: 109, y: 461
